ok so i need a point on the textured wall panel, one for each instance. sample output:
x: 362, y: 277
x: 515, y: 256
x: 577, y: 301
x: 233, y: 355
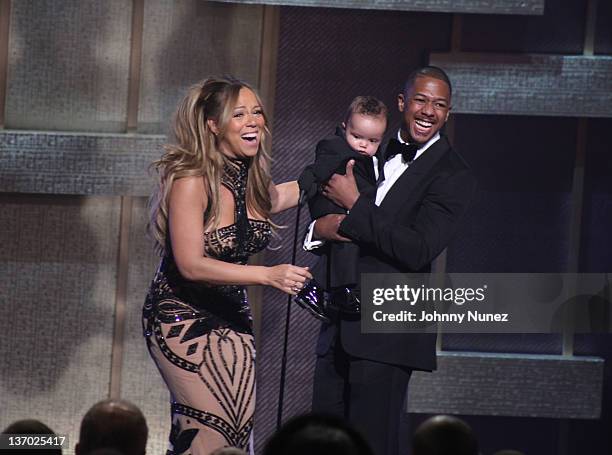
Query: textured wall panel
x: 595, y: 431
x: 316, y: 81
x: 303, y: 330
x: 141, y: 383
x: 58, y: 263
x: 187, y: 41
x: 68, y: 65
x: 551, y: 85
x: 433, y: 6
x: 87, y: 164
x: 596, y: 242
x: 560, y: 30
x: 511, y: 385
x: 529, y: 343
x: 603, y: 31
x: 519, y: 218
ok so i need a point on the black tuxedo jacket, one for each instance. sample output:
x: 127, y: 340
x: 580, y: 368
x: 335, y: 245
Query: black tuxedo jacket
x: 331, y: 156
x: 414, y: 223
x: 339, y: 259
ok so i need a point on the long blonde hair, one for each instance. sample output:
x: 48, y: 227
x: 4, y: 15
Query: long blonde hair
x: 196, y: 153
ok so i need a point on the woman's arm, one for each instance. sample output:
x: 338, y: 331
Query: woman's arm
x: 284, y: 196
x: 186, y: 207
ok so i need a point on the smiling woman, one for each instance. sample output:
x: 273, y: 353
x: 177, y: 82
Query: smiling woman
x: 244, y: 130
x: 210, y: 213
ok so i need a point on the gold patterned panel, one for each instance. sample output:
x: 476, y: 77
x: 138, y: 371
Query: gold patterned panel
x: 183, y: 42
x: 68, y: 65
x: 141, y: 382
x: 57, y: 261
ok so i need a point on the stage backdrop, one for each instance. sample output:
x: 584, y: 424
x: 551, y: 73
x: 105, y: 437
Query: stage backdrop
x: 87, y: 90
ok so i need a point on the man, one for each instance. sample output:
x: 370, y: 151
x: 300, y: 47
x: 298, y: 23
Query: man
x: 113, y: 424
x: 317, y: 434
x: 423, y: 189
x: 33, y: 427
x: 444, y: 435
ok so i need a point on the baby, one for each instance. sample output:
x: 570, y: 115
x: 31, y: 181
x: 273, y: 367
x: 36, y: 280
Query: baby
x: 357, y: 139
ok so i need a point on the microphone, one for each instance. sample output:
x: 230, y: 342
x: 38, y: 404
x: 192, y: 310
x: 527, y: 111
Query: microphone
x: 303, y: 198
x: 308, y: 184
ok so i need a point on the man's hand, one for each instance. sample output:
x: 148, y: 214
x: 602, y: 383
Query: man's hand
x: 342, y: 189
x: 326, y: 227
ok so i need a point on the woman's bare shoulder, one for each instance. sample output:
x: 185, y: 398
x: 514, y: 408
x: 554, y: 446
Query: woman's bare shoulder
x: 190, y: 187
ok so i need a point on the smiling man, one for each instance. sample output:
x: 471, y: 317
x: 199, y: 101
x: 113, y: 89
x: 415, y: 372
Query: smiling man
x: 425, y: 104
x: 423, y: 190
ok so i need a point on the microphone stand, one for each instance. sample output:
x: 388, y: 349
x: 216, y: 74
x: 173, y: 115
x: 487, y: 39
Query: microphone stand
x: 283, y: 372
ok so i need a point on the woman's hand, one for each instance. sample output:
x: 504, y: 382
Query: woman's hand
x: 287, y: 278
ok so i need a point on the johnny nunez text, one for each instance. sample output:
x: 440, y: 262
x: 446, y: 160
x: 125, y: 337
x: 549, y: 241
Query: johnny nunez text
x: 435, y: 316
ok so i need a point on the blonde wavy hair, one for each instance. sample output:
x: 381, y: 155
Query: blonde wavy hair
x: 196, y: 153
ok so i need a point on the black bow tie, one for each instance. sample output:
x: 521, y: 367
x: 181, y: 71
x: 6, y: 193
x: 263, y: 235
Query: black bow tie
x: 395, y: 147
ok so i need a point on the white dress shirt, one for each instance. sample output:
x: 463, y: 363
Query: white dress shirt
x: 393, y: 169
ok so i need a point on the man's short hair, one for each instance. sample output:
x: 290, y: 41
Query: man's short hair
x: 30, y: 426
x: 428, y: 71
x: 113, y: 424
x: 228, y: 451
x: 444, y: 435
x: 317, y: 434
x: 366, y: 105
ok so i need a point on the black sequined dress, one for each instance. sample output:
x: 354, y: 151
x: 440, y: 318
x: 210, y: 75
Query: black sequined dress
x: 201, y: 337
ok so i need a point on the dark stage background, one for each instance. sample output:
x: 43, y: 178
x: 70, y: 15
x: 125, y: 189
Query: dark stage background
x: 521, y: 218
x: 87, y: 89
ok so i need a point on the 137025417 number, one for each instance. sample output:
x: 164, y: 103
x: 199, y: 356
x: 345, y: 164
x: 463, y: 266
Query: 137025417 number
x: 32, y: 441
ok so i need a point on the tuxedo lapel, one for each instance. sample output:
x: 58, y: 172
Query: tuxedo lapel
x: 414, y: 175
x: 368, y: 164
x: 380, y: 163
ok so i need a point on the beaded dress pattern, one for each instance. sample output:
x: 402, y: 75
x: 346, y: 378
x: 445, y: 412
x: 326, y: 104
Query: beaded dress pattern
x: 201, y: 337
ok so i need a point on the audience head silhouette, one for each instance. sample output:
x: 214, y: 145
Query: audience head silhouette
x: 317, y: 434
x: 229, y: 451
x: 113, y: 424
x: 30, y: 426
x: 444, y: 435
x: 105, y: 452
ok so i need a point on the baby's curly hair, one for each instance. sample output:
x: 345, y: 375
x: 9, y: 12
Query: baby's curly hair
x: 366, y: 105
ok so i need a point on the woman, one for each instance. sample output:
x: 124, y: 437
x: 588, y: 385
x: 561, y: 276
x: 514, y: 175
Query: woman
x: 211, y: 212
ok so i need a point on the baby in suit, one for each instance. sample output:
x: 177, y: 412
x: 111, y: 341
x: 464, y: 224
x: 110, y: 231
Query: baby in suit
x: 358, y: 139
